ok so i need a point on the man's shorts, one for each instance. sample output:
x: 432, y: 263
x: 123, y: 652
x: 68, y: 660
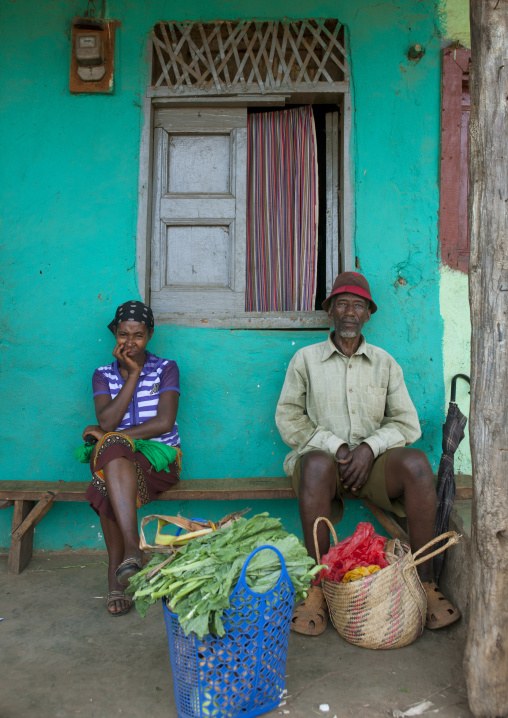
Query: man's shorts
x: 374, y: 489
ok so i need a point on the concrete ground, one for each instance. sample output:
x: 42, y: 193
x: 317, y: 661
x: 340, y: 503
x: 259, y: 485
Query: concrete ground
x: 62, y: 655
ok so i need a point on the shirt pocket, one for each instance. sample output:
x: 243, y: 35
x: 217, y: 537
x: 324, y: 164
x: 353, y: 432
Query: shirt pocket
x: 375, y: 399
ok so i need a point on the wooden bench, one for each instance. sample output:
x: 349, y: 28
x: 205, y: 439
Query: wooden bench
x: 33, y: 499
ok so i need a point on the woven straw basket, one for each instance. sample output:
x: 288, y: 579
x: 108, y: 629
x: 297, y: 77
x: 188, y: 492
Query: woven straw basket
x: 386, y: 609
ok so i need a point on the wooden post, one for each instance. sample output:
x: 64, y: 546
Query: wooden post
x: 25, y: 519
x: 40, y: 510
x: 387, y: 522
x: 486, y: 660
x: 20, y: 552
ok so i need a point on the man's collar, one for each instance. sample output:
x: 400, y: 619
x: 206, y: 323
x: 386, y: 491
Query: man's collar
x: 329, y: 349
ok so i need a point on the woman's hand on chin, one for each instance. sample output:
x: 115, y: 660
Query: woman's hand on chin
x: 127, y: 362
x: 94, y: 430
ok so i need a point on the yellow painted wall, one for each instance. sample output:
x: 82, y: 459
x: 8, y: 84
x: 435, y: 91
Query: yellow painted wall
x: 454, y: 306
x: 453, y: 298
x: 454, y: 19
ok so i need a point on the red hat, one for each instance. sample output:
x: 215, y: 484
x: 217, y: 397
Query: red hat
x: 354, y: 283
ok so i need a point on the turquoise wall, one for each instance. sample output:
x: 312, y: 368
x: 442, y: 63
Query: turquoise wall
x: 69, y: 178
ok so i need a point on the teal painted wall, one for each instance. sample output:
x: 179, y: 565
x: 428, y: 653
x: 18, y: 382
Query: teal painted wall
x: 69, y: 175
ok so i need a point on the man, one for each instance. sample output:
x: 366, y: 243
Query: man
x: 346, y: 414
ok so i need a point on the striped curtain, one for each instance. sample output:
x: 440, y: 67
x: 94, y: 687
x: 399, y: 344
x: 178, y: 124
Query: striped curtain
x: 282, y: 211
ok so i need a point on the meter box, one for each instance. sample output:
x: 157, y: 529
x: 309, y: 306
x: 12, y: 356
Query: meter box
x: 93, y: 46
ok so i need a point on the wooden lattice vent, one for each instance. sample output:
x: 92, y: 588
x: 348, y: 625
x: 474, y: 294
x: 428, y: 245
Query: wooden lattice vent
x: 248, y: 57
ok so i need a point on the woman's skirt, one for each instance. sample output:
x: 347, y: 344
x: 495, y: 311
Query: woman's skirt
x: 151, y: 483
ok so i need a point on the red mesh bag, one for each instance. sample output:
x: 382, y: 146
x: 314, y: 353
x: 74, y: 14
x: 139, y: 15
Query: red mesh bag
x: 364, y: 548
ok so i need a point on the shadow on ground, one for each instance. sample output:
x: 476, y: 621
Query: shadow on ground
x: 62, y: 655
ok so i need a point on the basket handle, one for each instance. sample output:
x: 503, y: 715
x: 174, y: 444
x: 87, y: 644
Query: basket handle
x: 330, y: 526
x: 283, y: 572
x: 194, y: 518
x: 453, y: 538
x: 176, y: 520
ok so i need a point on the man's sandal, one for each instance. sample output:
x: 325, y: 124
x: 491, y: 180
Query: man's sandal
x: 113, y: 597
x: 127, y: 569
x: 440, y: 612
x: 311, y: 616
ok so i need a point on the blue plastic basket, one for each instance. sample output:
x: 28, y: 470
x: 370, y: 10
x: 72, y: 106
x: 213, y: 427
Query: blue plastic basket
x: 242, y: 673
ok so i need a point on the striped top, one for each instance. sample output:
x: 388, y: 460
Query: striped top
x: 158, y: 375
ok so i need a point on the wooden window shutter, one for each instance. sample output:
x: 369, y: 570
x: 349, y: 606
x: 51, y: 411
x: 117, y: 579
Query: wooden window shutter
x: 199, y: 210
x: 454, y: 183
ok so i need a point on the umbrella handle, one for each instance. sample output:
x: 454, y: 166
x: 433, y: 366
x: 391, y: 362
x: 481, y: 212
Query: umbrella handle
x: 454, y: 384
x: 453, y: 538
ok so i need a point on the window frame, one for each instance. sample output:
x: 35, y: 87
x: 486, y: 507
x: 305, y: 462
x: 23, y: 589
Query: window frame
x: 343, y: 252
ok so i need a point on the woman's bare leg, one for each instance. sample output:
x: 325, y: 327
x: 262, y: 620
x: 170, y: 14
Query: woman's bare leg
x: 121, y: 536
x: 114, y: 544
x: 122, y: 486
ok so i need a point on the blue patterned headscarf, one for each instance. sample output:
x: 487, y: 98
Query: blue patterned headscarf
x: 132, y: 311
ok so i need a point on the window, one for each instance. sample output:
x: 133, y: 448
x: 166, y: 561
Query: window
x: 192, y: 227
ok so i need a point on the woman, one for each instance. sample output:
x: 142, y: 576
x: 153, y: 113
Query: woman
x: 136, y: 397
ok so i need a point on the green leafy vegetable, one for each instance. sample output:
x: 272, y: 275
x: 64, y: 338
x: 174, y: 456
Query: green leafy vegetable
x: 198, y: 582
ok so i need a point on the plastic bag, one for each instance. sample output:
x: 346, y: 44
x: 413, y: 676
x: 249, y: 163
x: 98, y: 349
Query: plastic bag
x: 364, y: 548
x: 360, y: 572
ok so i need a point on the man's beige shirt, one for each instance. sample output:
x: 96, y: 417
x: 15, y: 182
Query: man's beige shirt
x: 329, y: 399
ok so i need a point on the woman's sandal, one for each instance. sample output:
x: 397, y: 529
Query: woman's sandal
x: 311, y: 616
x: 128, y: 568
x: 440, y: 612
x: 113, y: 597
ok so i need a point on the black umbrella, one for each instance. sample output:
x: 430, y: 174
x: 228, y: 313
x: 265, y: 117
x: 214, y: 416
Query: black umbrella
x: 453, y: 433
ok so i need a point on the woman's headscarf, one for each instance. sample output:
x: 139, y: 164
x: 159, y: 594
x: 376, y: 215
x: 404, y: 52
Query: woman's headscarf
x: 132, y: 311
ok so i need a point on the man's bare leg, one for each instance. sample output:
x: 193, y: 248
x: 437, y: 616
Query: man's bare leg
x: 409, y: 473
x: 318, y: 486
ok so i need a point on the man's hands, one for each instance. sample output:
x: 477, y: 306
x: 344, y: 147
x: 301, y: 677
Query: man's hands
x: 354, y: 466
x: 94, y: 430
x: 133, y: 368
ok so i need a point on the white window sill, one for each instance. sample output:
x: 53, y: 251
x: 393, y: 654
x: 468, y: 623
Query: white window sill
x: 247, y: 320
